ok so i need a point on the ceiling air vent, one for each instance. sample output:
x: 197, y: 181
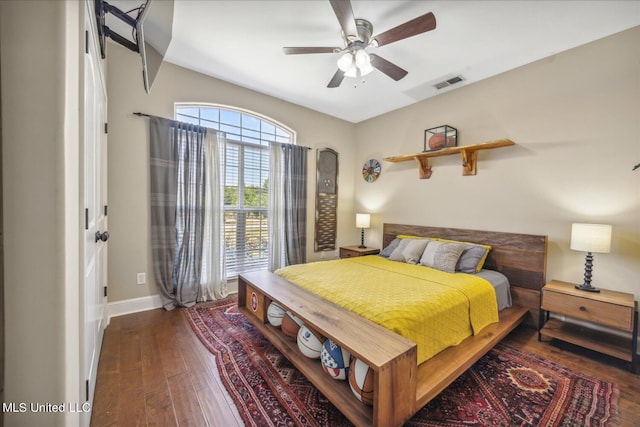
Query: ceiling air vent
x: 448, y: 82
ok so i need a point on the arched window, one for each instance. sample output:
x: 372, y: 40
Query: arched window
x: 246, y: 197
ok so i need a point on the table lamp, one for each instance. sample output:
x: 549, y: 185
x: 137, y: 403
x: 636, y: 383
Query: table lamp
x: 363, y: 220
x: 590, y: 238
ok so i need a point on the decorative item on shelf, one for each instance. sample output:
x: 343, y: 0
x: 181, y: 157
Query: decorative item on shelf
x: 440, y: 137
x: 363, y: 220
x: 371, y: 170
x: 590, y: 238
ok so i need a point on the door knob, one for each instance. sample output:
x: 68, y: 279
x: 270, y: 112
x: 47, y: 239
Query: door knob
x: 102, y: 236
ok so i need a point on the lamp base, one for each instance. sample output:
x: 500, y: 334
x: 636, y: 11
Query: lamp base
x: 362, y: 246
x: 587, y: 287
x: 588, y: 266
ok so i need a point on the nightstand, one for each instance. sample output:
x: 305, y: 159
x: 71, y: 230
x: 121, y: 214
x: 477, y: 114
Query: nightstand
x: 353, y: 251
x: 611, y: 309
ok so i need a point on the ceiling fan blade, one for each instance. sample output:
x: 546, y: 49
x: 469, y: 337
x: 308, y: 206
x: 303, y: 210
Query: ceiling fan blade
x: 389, y: 68
x: 419, y: 25
x: 336, y: 79
x: 309, y: 49
x: 344, y: 13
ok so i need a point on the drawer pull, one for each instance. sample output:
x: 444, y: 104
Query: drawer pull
x: 582, y: 308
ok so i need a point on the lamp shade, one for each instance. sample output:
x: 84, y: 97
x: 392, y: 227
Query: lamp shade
x: 363, y: 220
x: 591, y: 238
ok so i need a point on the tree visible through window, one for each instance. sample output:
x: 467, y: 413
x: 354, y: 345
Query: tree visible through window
x: 246, y: 192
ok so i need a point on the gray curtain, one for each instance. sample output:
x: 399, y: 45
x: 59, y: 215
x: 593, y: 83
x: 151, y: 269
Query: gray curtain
x: 177, y: 181
x: 295, y: 201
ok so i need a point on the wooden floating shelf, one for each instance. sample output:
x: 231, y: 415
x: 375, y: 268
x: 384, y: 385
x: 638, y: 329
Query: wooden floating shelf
x: 469, y: 154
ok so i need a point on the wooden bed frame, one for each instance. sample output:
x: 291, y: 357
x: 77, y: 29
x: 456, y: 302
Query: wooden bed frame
x: 401, y: 387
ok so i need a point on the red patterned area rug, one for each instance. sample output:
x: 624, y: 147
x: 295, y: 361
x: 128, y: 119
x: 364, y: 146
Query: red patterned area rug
x: 507, y: 387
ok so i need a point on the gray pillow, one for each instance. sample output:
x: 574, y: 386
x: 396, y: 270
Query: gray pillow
x: 470, y: 258
x: 396, y: 255
x: 414, y: 249
x: 442, y: 255
x: 389, y: 249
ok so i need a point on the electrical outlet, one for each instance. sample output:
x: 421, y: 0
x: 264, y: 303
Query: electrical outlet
x: 336, y: 253
x: 321, y: 254
x: 141, y: 278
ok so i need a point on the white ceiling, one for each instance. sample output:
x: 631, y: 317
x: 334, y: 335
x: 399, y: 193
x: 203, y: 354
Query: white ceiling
x: 241, y: 42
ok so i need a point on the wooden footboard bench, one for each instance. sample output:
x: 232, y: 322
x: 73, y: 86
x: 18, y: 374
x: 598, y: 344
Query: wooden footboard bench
x: 391, y: 356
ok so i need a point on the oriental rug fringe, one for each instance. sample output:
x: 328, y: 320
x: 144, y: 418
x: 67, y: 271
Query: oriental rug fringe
x: 506, y: 387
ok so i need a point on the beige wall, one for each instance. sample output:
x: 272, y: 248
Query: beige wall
x: 129, y: 250
x: 40, y: 143
x: 575, y: 118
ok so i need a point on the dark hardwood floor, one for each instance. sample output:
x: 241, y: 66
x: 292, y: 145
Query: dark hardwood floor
x: 154, y: 371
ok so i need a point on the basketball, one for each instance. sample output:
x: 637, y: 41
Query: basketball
x: 309, y: 342
x: 335, y: 360
x: 275, y: 313
x: 361, y: 381
x: 290, y: 325
x: 437, y: 141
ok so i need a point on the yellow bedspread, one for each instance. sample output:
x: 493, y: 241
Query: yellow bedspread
x: 432, y: 308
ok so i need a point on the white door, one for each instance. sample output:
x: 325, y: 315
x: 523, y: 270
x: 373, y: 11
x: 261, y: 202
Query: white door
x: 93, y: 296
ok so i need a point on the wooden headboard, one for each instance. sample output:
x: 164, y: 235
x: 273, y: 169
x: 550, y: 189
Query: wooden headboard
x: 520, y: 257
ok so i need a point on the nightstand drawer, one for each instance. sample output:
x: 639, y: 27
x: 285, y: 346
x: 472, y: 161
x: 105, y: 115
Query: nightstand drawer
x: 346, y: 253
x: 354, y: 251
x: 604, y: 313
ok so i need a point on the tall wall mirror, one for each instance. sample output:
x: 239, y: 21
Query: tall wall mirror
x: 326, y: 199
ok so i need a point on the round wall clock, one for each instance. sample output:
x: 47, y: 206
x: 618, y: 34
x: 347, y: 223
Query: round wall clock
x: 371, y: 170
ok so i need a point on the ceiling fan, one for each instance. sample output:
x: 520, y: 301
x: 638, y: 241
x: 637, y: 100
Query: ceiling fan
x: 357, y: 37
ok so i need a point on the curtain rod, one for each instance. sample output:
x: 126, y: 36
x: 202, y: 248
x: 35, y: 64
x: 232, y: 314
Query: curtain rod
x: 137, y: 113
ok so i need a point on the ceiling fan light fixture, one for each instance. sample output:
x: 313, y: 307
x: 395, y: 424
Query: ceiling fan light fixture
x: 354, y: 63
x: 362, y: 59
x: 363, y: 62
x: 366, y: 69
x: 352, y: 71
x: 345, y: 62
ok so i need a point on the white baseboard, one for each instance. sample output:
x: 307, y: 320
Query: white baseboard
x: 134, y: 305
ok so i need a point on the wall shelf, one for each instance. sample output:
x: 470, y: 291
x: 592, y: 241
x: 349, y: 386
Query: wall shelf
x: 469, y: 154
